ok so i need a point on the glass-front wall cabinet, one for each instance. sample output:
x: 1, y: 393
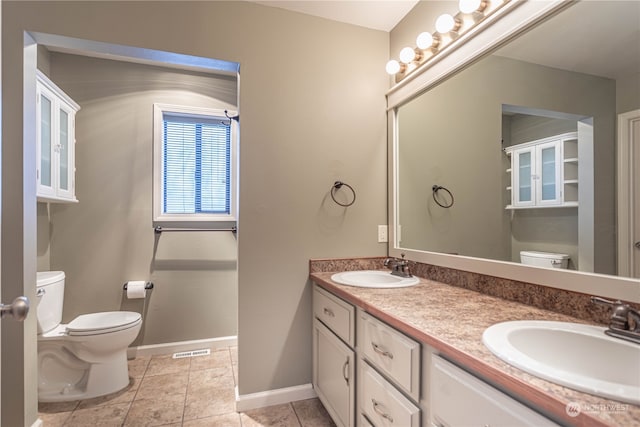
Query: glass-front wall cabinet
x: 56, y: 113
x: 538, y: 177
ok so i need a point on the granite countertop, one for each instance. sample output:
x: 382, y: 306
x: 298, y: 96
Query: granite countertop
x: 452, y: 320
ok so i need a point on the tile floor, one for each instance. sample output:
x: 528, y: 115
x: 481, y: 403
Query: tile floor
x: 189, y: 392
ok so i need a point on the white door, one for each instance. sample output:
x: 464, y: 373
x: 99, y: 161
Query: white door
x: 629, y: 194
x: 17, y: 311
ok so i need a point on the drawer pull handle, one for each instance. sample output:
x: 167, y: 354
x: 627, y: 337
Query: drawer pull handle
x: 381, y: 351
x: 377, y: 407
x: 328, y: 312
x: 345, y: 372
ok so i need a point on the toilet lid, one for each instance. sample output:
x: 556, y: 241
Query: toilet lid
x: 102, y: 323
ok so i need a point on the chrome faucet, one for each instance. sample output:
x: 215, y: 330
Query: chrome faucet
x: 624, y: 322
x: 399, y: 267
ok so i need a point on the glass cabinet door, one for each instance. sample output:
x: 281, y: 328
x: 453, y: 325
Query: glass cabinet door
x: 65, y: 151
x: 523, y: 167
x: 46, y: 146
x: 548, y: 174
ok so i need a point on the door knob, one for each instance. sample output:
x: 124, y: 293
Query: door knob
x: 637, y: 245
x: 18, y: 309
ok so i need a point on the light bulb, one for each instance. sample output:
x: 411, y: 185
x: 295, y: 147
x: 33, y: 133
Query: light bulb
x: 393, y: 67
x: 446, y: 23
x: 407, y: 55
x: 425, y: 40
x: 470, y: 6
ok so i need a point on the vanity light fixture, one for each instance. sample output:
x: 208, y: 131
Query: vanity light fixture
x: 447, y: 23
x: 394, y: 67
x: 409, y: 55
x: 471, y: 6
x: 449, y: 29
x: 427, y: 40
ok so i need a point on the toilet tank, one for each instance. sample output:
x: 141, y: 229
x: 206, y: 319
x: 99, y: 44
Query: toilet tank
x: 50, y: 296
x: 544, y: 259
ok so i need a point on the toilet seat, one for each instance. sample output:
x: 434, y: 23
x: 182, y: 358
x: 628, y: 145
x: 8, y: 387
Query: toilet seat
x: 102, y: 323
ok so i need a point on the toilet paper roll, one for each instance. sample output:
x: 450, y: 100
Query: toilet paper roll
x: 135, y: 289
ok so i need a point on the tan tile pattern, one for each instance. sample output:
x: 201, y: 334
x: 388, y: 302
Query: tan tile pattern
x: 189, y: 392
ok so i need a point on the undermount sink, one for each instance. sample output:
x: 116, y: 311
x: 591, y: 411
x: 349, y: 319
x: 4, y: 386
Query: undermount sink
x: 373, y: 279
x: 577, y: 356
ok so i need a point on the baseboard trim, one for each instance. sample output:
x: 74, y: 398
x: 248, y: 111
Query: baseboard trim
x: 279, y: 396
x: 174, y: 347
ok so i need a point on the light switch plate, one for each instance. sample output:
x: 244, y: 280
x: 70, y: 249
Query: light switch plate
x: 383, y: 235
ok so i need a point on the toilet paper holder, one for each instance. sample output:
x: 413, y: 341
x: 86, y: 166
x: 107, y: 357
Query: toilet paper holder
x: 148, y: 285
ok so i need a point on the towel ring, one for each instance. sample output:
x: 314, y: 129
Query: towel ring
x: 338, y: 185
x: 435, y: 190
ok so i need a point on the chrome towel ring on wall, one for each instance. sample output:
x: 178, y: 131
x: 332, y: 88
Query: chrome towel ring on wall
x: 435, y: 190
x: 338, y: 185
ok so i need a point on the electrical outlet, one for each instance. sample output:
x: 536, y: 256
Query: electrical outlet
x: 383, y: 235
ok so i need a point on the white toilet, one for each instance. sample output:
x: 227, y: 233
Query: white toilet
x: 544, y: 259
x: 88, y: 356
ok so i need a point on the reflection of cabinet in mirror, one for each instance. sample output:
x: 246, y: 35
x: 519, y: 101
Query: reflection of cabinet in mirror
x: 55, y: 143
x: 544, y: 172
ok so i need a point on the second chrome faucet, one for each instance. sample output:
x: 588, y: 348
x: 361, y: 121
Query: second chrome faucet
x: 624, y: 322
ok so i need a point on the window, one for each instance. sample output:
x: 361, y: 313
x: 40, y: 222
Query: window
x: 194, y: 165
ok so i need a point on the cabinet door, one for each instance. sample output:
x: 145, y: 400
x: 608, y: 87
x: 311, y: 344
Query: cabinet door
x: 333, y: 375
x: 65, y: 152
x: 548, y: 174
x: 460, y: 399
x: 523, y: 177
x: 45, y: 150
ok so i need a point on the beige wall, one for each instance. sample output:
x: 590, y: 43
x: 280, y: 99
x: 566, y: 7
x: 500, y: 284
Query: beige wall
x: 312, y: 111
x: 193, y: 273
x: 628, y: 93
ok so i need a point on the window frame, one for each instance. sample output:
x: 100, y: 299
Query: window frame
x: 190, y: 219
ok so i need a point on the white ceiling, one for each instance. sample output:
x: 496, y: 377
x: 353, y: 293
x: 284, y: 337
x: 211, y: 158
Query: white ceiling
x: 376, y: 14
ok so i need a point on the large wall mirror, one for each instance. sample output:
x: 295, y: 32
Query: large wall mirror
x: 516, y: 151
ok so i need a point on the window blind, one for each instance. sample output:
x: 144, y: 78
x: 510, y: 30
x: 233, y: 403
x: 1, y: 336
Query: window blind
x: 196, y: 165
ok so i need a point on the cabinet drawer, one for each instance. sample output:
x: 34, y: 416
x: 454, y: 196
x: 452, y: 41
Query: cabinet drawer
x: 364, y: 422
x: 453, y: 388
x: 338, y: 315
x: 381, y: 403
x: 391, y: 352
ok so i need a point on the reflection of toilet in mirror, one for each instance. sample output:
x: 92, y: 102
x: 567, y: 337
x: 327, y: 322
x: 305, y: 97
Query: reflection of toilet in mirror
x: 88, y: 356
x: 544, y: 259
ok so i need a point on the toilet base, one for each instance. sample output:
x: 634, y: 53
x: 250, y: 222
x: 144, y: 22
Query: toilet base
x: 88, y: 380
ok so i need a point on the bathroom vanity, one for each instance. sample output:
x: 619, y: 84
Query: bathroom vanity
x: 417, y: 358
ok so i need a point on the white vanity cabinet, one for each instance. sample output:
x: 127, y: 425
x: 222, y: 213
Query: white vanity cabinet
x: 544, y: 172
x: 369, y: 374
x: 389, y: 374
x: 459, y: 399
x: 55, y: 142
x: 333, y: 355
